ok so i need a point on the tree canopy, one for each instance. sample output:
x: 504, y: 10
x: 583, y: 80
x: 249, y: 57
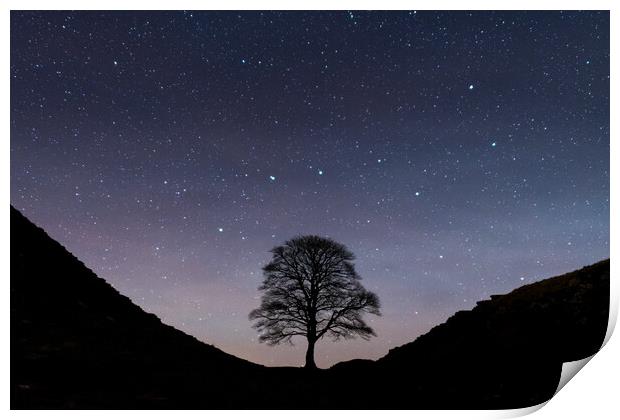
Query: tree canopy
x: 311, y: 289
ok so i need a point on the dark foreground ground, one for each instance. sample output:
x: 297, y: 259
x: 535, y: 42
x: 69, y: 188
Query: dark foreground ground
x: 77, y: 343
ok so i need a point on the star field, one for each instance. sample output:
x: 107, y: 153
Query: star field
x: 457, y: 154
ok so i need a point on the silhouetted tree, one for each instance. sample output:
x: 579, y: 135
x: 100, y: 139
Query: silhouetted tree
x: 311, y: 289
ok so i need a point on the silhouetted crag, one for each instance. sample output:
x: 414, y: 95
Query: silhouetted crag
x: 77, y: 343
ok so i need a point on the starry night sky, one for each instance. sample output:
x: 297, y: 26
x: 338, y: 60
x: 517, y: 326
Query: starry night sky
x: 457, y: 154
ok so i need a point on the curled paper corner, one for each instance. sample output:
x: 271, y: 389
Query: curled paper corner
x: 520, y: 412
x: 613, y: 317
x: 570, y: 369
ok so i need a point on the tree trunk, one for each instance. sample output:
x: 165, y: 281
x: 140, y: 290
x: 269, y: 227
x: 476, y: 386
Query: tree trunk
x: 310, y: 355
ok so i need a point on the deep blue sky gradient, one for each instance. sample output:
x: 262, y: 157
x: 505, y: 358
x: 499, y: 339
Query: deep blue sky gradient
x: 457, y: 155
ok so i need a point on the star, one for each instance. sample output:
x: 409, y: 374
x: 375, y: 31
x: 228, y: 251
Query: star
x: 471, y: 87
x: 272, y: 178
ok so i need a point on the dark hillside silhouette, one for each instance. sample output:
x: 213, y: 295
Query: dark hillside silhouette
x: 77, y: 343
x: 509, y: 348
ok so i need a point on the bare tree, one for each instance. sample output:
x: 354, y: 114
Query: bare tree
x: 311, y: 289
